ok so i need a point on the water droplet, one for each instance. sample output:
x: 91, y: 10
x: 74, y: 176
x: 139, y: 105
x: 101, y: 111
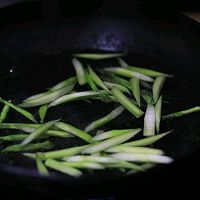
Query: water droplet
x: 12, y: 71
x: 12, y: 68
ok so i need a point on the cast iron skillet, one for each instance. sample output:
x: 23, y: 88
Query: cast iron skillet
x: 33, y: 56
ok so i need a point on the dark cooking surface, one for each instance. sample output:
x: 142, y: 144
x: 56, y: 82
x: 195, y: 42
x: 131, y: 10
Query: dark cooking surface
x: 35, y: 48
x: 32, y: 74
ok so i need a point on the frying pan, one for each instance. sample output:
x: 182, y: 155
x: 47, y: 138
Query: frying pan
x: 34, y: 55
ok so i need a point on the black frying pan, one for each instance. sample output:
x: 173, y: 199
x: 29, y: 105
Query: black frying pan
x: 33, y: 57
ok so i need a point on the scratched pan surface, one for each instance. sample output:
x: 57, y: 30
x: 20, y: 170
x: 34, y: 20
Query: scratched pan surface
x: 36, y: 55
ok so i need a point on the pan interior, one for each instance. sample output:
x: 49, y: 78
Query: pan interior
x: 30, y: 74
x: 36, y: 55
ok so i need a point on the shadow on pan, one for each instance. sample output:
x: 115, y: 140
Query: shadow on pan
x: 36, y: 54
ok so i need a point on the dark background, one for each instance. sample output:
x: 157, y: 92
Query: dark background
x: 38, y: 9
x: 185, y: 175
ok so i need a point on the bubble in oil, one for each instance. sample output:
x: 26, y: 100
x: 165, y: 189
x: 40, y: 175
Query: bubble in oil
x: 12, y: 68
x: 12, y: 71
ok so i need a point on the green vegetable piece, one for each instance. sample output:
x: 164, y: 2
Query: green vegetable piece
x: 96, y: 79
x: 122, y: 63
x: 14, y: 137
x: 127, y: 165
x: 84, y: 165
x: 4, y: 112
x: 147, y: 141
x: 32, y: 127
x: 135, y: 85
x: 128, y: 73
x: 106, y: 98
x: 61, y: 167
x: 146, y: 85
x: 36, y: 96
x: 148, y: 72
x: 154, y: 158
x: 90, y: 81
x: 75, y: 131
x: 58, y: 133
x: 40, y: 166
x: 28, y: 147
x: 147, y: 96
x: 64, y: 152
x: 96, y: 148
x: 114, y: 133
x: 97, y: 56
x: 144, y: 167
x: 147, y: 166
x: 121, y: 81
x: 29, y: 155
x: 38, y: 132
x: 149, y: 121
x: 50, y: 97
x: 52, y: 133
x: 157, y: 87
x: 77, y: 96
x: 122, y: 99
x: 90, y: 158
x: 158, y: 110
x: 181, y: 113
x: 23, y: 112
x: 118, y: 86
x: 58, y: 86
x: 42, y: 112
x: 23, y: 127
x: 68, y: 82
x: 133, y: 149
x: 104, y: 120
x: 80, y: 74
